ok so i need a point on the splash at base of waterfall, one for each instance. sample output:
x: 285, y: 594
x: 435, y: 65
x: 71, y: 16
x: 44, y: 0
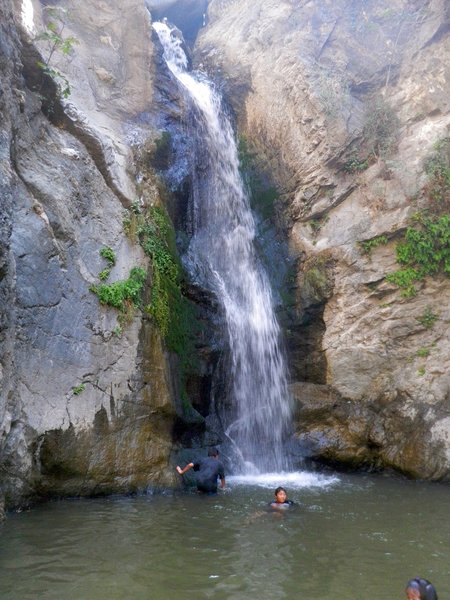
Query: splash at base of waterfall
x: 292, y: 480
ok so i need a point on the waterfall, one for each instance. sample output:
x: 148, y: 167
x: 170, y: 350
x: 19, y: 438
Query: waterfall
x: 221, y: 257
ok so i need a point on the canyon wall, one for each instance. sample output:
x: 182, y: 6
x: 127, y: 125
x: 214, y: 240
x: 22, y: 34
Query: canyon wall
x: 345, y: 103
x: 340, y: 105
x: 88, y: 398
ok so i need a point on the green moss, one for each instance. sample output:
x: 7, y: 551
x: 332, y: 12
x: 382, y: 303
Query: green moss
x: 172, y: 312
x: 262, y: 194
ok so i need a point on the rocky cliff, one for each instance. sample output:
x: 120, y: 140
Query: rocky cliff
x: 346, y: 105
x: 87, y: 401
x: 343, y: 107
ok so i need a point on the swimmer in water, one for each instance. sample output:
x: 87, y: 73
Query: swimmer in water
x: 275, y: 508
x: 281, y: 501
x: 420, y: 589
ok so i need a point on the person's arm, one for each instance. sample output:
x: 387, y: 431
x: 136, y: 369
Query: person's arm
x: 222, y: 482
x: 186, y: 468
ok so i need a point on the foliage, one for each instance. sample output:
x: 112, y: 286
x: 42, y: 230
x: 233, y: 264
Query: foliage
x: 437, y: 167
x: 425, y: 251
x: 123, y: 295
x: 381, y: 129
x: 428, y: 319
x: 108, y: 254
x: 53, y: 34
x: 423, y: 352
x: 78, y: 389
x: 172, y: 312
x: 368, y: 245
x: 355, y: 164
x: 332, y: 89
x: 317, y: 223
x: 421, y: 371
x: 103, y: 275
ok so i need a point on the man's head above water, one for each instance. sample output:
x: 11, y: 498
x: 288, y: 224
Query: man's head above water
x: 213, y: 452
x: 420, y: 589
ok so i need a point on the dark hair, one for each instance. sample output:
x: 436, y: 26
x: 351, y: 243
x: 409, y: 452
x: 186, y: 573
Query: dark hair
x: 424, y: 587
x: 213, y: 452
x: 280, y: 489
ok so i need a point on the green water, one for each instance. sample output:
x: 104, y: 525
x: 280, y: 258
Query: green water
x: 359, y: 537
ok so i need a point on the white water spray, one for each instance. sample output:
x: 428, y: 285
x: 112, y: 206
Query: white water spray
x: 221, y: 257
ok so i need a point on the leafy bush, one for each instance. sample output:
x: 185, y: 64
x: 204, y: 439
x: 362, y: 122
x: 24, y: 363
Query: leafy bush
x: 428, y: 319
x: 368, y: 245
x: 355, y: 164
x: 381, y: 129
x: 437, y: 167
x: 103, y: 275
x: 53, y: 34
x: 78, y: 389
x: 122, y: 294
x: 425, y: 251
x: 108, y: 254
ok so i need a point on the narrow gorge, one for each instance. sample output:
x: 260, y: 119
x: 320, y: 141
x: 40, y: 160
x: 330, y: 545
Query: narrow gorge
x: 260, y: 263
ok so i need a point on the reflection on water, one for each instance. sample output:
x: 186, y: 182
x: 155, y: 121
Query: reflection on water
x: 356, y: 537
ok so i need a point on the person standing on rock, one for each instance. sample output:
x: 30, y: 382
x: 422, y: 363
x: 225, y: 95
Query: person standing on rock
x: 208, y: 471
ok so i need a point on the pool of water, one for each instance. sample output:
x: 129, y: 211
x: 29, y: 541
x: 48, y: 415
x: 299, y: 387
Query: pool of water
x: 348, y: 537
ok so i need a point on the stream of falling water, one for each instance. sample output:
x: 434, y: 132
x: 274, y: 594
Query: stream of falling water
x: 221, y: 256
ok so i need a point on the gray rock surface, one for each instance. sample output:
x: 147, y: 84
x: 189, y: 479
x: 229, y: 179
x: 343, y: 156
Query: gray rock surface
x: 83, y: 409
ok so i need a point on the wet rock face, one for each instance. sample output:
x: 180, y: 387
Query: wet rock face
x: 305, y: 80
x: 84, y: 408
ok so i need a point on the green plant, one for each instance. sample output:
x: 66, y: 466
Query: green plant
x: 425, y: 251
x: 405, y: 279
x: 53, y: 34
x: 355, y: 164
x: 368, y: 245
x: 381, y: 129
x: 108, y: 254
x: 421, y: 371
x: 122, y: 295
x: 437, y: 167
x: 103, y: 275
x: 78, y: 389
x: 317, y: 223
x: 428, y: 319
x: 423, y: 352
x: 332, y: 89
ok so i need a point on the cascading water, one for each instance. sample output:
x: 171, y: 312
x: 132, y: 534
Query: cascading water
x: 221, y: 257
